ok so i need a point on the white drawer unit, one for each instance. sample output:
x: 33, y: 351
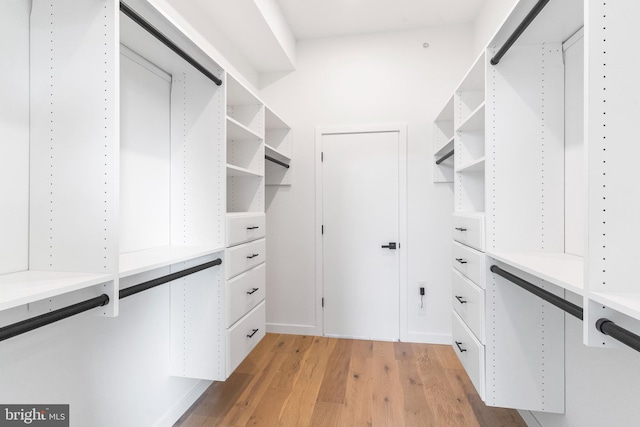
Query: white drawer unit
x: 470, y: 262
x: 245, y: 292
x: 468, y: 302
x: 470, y: 352
x: 244, y: 227
x: 244, y: 257
x: 244, y: 336
x: 468, y: 228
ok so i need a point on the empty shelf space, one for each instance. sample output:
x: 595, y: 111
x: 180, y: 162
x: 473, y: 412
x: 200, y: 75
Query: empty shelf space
x: 29, y: 286
x: 475, y: 166
x: 138, y: 262
x: 273, y: 121
x: 276, y: 154
x: 475, y: 121
x: 560, y: 269
x: 238, y: 171
x: 236, y: 131
x: 445, y: 148
x: 627, y: 303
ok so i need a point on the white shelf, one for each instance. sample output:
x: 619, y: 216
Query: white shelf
x: 445, y: 148
x: 238, y: 171
x: 243, y: 214
x: 138, y: 262
x: 476, y: 166
x: 29, y: 286
x: 236, y: 131
x: 627, y: 303
x: 238, y: 94
x: 273, y: 121
x: 276, y: 154
x: 475, y: 121
x: 473, y: 81
x: 447, y: 112
x: 560, y: 269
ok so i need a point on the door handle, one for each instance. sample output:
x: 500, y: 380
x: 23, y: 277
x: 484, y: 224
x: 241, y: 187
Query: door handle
x: 461, y: 229
x: 252, y: 256
x: 461, y: 260
x: 253, y: 290
x: 460, y: 300
x: 459, y: 344
x: 253, y: 332
x: 391, y: 245
x: 253, y: 228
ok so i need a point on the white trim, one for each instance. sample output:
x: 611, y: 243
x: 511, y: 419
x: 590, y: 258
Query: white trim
x: 401, y: 129
x: 529, y: 418
x: 358, y: 337
x: 183, y: 404
x: 423, y: 338
x: 282, y: 328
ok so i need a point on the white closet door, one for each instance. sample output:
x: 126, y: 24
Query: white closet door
x: 360, y: 215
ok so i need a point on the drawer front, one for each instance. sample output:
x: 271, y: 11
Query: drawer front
x: 245, y: 292
x: 244, y: 336
x: 468, y: 302
x: 470, y: 352
x: 469, y: 229
x: 245, y: 228
x: 244, y: 257
x: 469, y: 262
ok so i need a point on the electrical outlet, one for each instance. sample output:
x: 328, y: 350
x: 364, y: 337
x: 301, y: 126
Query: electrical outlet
x: 422, y: 298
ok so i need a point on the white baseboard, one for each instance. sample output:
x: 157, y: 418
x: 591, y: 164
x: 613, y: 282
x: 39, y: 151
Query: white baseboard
x: 422, y: 338
x: 529, y: 418
x: 280, y: 328
x: 181, y: 406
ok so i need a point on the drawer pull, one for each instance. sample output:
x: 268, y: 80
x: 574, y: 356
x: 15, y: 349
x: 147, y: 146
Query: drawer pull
x: 461, y: 260
x: 253, y: 228
x: 254, y: 331
x: 459, y: 344
x: 253, y: 290
x: 461, y: 229
x: 252, y: 256
x: 460, y: 300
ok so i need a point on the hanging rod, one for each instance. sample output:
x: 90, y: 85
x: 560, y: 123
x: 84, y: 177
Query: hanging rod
x: 18, y: 328
x: 445, y: 157
x: 276, y: 161
x: 28, y: 325
x: 603, y: 325
x: 167, y: 42
x: 132, y: 290
x: 519, y: 30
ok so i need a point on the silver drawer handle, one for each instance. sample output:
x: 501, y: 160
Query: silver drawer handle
x: 459, y: 344
x: 253, y: 291
x: 253, y: 228
x: 461, y: 260
x: 252, y: 256
x: 461, y: 229
x: 254, y: 332
x: 460, y: 300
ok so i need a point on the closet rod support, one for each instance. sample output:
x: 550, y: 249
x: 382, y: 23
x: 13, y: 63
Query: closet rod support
x: 132, y: 290
x: 561, y: 303
x: 276, y: 161
x: 167, y: 42
x: 445, y: 157
x: 519, y: 30
x: 619, y: 333
x: 28, y: 325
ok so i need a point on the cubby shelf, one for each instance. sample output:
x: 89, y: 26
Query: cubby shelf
x: 475, y: 166
x: 238, y: 171
x: 475, y: 121
x: 151, y: 259
x: 236, y: 131
x: 276, y: 154
x: 29, y: 286
x: 561, y: 269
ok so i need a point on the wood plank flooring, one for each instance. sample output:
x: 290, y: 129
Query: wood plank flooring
x: 299, y: 381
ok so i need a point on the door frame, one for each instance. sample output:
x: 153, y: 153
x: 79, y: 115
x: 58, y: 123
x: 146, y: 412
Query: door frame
x: 401, y: 129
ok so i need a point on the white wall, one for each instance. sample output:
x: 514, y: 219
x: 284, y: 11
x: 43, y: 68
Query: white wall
x: 383, y: 78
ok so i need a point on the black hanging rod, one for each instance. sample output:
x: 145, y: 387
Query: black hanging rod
x: 132, y: 290
x: 18, y: 328
x: 168, y: 43
x: 445, y: 157
x: 603, y: 325
x: 276, y: 161
x: 518, y: 31
x: 27, y: 325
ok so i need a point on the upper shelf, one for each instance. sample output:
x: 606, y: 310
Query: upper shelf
x: 564, y: 270
x: 238, y: 94
x: 236, y: 131
x: 473, y: 81
x: 273, y: 121
x: 475, y: 121
x: 447, y: 112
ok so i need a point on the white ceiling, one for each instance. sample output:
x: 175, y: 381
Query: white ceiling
x: 329, y: 18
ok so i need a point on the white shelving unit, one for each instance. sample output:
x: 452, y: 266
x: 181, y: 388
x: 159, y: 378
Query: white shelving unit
x: 278, y: 145
x: 443, y: 143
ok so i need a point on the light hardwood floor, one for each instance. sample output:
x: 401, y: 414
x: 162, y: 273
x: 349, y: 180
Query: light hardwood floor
x: 298, y: 381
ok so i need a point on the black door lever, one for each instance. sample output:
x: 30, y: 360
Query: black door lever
x: 391, y: 245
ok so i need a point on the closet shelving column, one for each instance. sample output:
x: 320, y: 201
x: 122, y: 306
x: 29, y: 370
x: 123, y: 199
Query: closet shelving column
x: 443, y: 142
x: 58, y: 160
x: 278, y: 146
x: 245, y: 254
